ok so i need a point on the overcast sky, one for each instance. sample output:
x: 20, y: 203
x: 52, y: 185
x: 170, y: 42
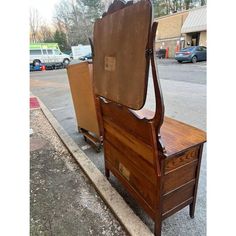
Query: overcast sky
x: 45, y: 8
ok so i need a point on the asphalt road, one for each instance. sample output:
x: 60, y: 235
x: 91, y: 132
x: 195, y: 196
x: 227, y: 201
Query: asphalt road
x: 186, y: 72
x: 184, y: 91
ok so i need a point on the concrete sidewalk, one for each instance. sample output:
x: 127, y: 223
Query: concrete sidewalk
x: 63, y: 181
x: 62, y: 199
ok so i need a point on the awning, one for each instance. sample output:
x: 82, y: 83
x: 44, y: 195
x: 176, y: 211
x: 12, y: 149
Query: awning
x: 195, y: 21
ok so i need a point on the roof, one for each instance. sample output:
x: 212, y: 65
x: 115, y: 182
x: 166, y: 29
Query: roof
x: 195, y: 21
x: 171, y: 14
x: 44, y: 45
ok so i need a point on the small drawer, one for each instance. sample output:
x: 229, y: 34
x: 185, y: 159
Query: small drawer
x: 181, y: 159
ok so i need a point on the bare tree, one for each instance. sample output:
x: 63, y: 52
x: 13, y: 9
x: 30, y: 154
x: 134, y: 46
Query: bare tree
x: 46, y: 34
x: 76, y: 18
x: 62, y: 19
x: 35, y: 21
x: 165, y: 7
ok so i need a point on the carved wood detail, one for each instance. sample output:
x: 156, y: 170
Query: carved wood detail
x: 117, y: 5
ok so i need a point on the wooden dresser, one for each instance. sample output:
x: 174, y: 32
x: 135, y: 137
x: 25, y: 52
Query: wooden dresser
x: 156, y: 158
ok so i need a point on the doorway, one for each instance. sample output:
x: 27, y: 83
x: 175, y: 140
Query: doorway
x: 195, y: 39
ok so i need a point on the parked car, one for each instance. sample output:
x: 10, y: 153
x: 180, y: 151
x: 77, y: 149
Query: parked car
x: 86, y: 57
x: 71, y: 56
x: 80, y: 50
x: 192, y: 54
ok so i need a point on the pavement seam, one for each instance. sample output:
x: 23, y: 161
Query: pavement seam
x: 130, y: 221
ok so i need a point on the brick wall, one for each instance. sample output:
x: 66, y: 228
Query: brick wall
x: 170, y: 26
x: 169, y: 31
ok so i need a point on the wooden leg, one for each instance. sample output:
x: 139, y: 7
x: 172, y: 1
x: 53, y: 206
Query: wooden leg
x: 157, y: 227
x: 99, y: 147
x: 192, y: 205
x: 107, y: 172
x: 192, y: 210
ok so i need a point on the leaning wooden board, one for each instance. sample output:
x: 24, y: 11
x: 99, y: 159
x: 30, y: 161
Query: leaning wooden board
x: 80, y: 79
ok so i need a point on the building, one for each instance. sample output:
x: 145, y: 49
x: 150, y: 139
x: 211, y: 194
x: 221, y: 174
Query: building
x: 182, y: 29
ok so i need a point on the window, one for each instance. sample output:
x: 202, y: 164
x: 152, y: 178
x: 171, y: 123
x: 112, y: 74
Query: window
x: 199, y: 49
x: 44, y: 52
x: 35, y: 52
x: 187, y: 49
x: 56, y: 52
x: 49, y: 51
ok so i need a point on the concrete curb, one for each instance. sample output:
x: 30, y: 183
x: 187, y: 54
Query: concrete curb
x: 130, y: 221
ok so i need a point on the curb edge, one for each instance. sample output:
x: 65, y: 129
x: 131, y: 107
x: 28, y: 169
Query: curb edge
x: 125, y: 215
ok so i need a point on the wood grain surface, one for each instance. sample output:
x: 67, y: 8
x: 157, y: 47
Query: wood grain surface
x: 80, y: 80
x: 156, y: 158
x: 120, y: 59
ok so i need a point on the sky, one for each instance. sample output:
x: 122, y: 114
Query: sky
x: 45, y: 8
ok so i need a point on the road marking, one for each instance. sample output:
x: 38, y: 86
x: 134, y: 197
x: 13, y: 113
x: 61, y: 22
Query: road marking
x: 58, y: 108
x: 85, y: 147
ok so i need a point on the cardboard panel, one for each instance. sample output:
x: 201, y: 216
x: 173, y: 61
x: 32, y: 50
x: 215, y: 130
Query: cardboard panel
x: 80, y: 79
x: 120, y: 62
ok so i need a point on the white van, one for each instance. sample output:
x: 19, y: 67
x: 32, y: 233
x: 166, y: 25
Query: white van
x: 80, y: 50
x: 49, y: 56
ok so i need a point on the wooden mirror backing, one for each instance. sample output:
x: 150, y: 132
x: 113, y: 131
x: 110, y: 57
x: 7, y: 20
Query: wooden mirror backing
x: 120, y: 59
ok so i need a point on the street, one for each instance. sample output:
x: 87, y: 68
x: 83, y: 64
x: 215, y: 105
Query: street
x: 184, y: 90
x: 185, y: 72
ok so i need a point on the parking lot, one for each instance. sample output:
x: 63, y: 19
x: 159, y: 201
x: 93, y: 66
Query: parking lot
x: 184, y: 90
x: 185, y: 72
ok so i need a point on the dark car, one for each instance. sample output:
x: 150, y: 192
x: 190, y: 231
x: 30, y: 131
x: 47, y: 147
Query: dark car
x: 192, y: 54
x: 86, y: 57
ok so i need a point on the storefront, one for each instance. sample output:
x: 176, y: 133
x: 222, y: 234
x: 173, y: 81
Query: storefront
x: 182, y: 29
